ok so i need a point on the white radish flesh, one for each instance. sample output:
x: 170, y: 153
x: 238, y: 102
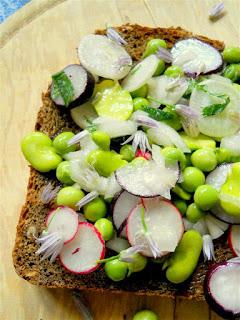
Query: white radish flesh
x: 117, y: 244
x: 167, y: 90
x: 218, y: 176
x: 80, y: 255
x: 103, y: 57
x: 140, y: 74
x: 116, y: 128
x: 164, y: 224
x: 222, y: 289
x: 147, y: 179
x: 64, y: 221
x: 122, y: 207
x: 220, y: 214
x: 232, y: 143
x: 234, y: 240
x: 196, y: 57
x: 83, y: 115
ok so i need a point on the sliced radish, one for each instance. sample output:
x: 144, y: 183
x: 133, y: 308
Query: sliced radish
x: 224, y: 123
x: 220, y: 214
x: 147, y: 178
x: 167, y: 90
x: 80, y: 255
x: 116, y: 128
x: 218, y: 176
x: 122, y: 206
x: 104, y: 57
x: 82, y: 82
x: 117, y: 244
x: 140, y: 74
x: 234, y: 240
x: 232, y: 143
x: 222, y: 289
x: 64, y: 221
x: 146, y: 154
x: 164, y: 225
x: 196, y: 57
x: 215, y: 227
x: 83, y: 115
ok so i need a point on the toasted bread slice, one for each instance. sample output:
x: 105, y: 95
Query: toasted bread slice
x: 52, y: 121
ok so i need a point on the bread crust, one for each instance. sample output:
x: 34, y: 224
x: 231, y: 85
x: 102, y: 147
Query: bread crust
x: 51, y: 120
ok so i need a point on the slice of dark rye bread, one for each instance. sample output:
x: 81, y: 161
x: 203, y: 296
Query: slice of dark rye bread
x: 52, y: 121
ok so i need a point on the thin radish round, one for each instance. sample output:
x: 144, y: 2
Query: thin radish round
x: 82, y: 82
x: 167, y: 90
x: 234, y: 240
x: 122, y: 207
x: 163, y: 223
x: 219, y: 213
x: 221, y: 124
x: 83, y: 115
x: 80, y: 255
x: 64, y: 221
x: 219, y: 176
x: 215, y: 227
x: 222, y: 289
x: 104, y: 57
x: 232, y: 143
x: 140, y: 74
x: 196, y: 57
x: 147, y: 178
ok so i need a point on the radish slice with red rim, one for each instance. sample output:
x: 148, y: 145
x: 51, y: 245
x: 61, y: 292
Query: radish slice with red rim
x: 122, y: 206
x: 82, y: 83
x: 104, y: 57
x: 63, y: 220
x: 117, y: 244
x: 196, y: 57
x: 234, y: 240
x: 222, y: 290
x: 163, y: 223
x: 81, y: 255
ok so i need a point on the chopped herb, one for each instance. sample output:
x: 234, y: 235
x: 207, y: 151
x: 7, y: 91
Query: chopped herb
x: 91, y: 127
x: 158, y: 114
x: 160, y: 102
x: 215, y: 108
x: 63, y: 87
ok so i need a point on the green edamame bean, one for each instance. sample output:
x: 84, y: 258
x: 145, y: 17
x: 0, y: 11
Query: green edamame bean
x: 181, y: 193
x: 160, y: 68
x: 201, y: 141
x: 174, y: 72
x: 140, y: 103
x: 194, y: 213
x: 38, y: 150
x: 206, y: 197
x: 175, y: 122
x: 192, y: 178
x: 102, y: 139
x: 181, y: 205
x: 185, y: 258
x: 172, y: 155
x: 69, y: 196
x: 105, y: 227
x: 127, y: 152
x: 231, y: 54
x: 153, y: 46
x: 232, y: 72
x: 141, y: 92
x: 94, y: 210
x: 116, y: 270
x: 204, y: 159
x: 145, y: 315
x: 138, y: 264
x: 63, y: 173
x: 223, y: 155
x: 60, y: 143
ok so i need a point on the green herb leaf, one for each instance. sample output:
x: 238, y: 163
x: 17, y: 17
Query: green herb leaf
x: 63, y: 87
x: 158, y: 114
x: 215, y: 108
x: 135, y: 69
x: 160, y: 102
x: 91, y: 127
